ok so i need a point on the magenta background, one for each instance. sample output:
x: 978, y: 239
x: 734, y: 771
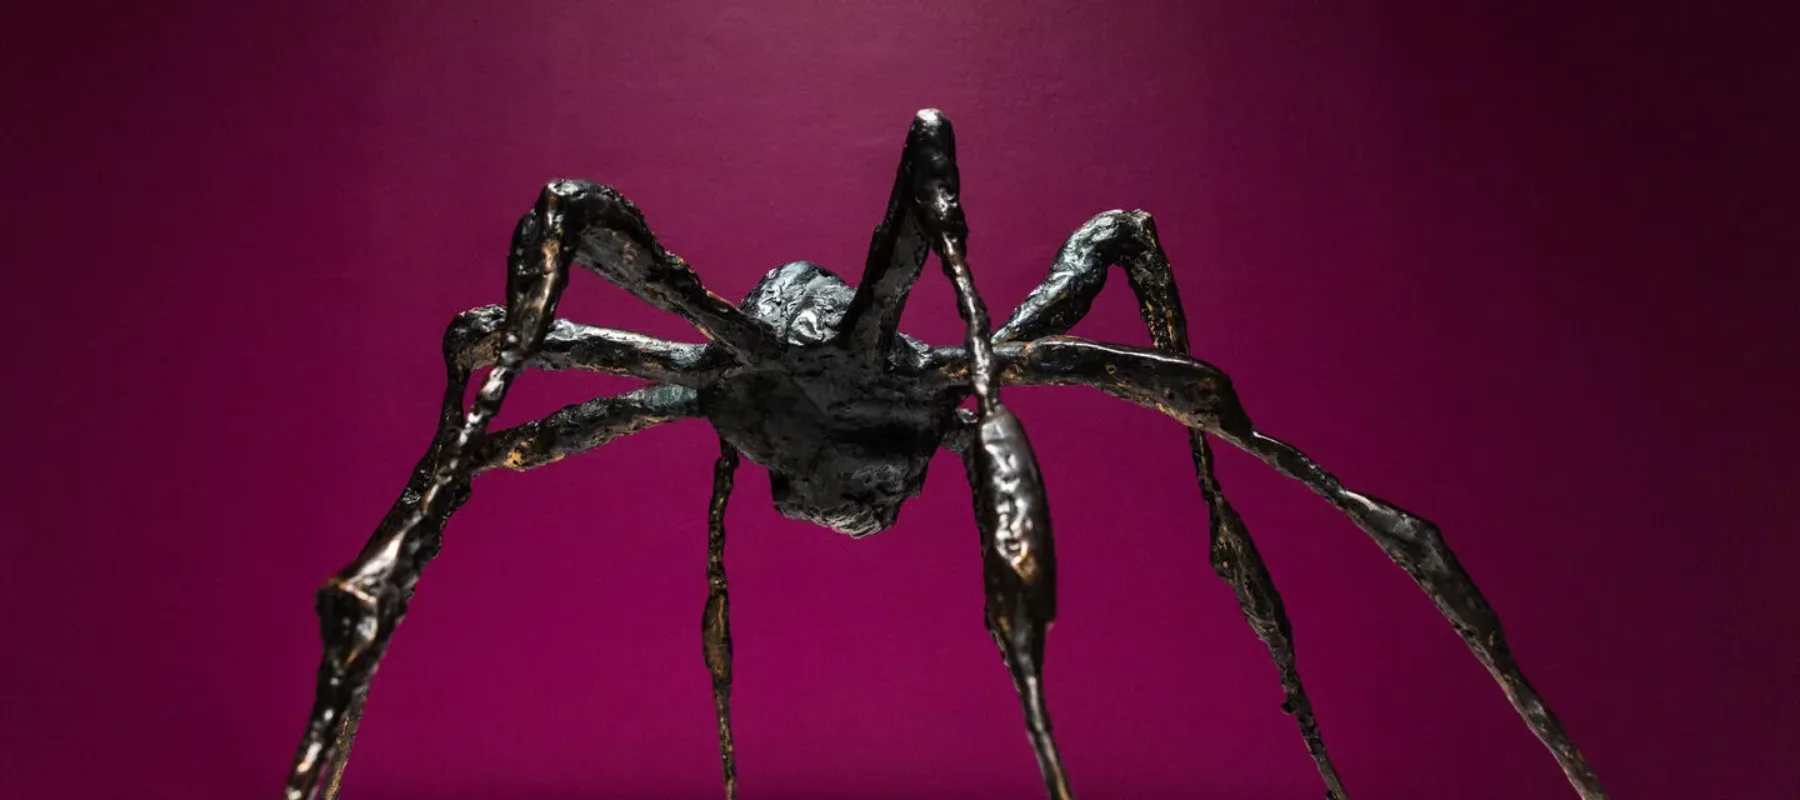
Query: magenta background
x: 1530, y: 274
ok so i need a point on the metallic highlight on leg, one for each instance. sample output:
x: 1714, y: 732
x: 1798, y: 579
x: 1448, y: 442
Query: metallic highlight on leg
x: 1235, y: 559
x: 715, y: 623
x: 1128, y: 239
x: 1200, y: 395
x: 1018, y: 557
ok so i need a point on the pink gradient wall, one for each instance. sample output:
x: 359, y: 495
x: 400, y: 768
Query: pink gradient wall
x: 1530, y: 274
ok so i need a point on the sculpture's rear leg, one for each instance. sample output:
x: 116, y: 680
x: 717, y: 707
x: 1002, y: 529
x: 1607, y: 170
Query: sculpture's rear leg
x: 360, y: 606
x: 1201, y: 396
x: 1128, y: 239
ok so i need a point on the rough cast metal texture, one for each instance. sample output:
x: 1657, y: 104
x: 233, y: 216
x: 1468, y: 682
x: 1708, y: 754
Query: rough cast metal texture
x: 812, y: 380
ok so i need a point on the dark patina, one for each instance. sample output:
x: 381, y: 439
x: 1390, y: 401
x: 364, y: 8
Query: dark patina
x: 811, y: 379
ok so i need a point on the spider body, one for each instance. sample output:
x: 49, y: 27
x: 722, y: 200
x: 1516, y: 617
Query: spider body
x: 812, y: 379
x: 846, y: 437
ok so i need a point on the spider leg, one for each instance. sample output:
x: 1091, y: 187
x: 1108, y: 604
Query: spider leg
x: 715, y: 622
x: 1018, y: 558
x: 604, y: 232
x: 897, y: 252
x: 570, y: 431
x: 1077, y: 274
x: 1011, y: 510
x: 581, y: 427
x: 360, y: 606
x: 924, y: 215
x: 1200, y: 395
x: 474, y: 339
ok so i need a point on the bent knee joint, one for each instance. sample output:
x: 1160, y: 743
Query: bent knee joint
x: 350, y: 615
x: 579, y: 205
x: 469, y: 338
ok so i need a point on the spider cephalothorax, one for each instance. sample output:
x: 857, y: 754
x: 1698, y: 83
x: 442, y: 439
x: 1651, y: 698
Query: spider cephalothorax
x: 812, y: 379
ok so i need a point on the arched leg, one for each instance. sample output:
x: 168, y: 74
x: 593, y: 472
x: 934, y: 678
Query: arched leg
x: 1200, y: 395
x: 1078, y: 273
x: 715, y: 621
x: 360, y: 606
x: 602, y: 231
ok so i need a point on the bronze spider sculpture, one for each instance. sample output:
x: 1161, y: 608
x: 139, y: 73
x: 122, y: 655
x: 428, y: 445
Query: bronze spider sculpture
x: 812, y: 380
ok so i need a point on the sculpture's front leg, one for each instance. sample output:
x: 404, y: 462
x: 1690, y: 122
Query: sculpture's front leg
x: 1018, y: 551
x: 360, y: 606
x: 1018, y: 566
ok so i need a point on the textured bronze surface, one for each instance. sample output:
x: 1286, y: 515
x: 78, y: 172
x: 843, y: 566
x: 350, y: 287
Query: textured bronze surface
x: 715, y: 621
x: 812, y: 380
x: 1077, y: 275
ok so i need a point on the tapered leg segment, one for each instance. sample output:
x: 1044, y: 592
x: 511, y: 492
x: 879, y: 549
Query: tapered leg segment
x: 1416, y: 545
x: 1235, y: 559
x: 1018, y: 549
x: 715, y: 622
x: 1018, y: 560
x: 362, y: 602
x: 1201, y: 396
x: 1128, y: 240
